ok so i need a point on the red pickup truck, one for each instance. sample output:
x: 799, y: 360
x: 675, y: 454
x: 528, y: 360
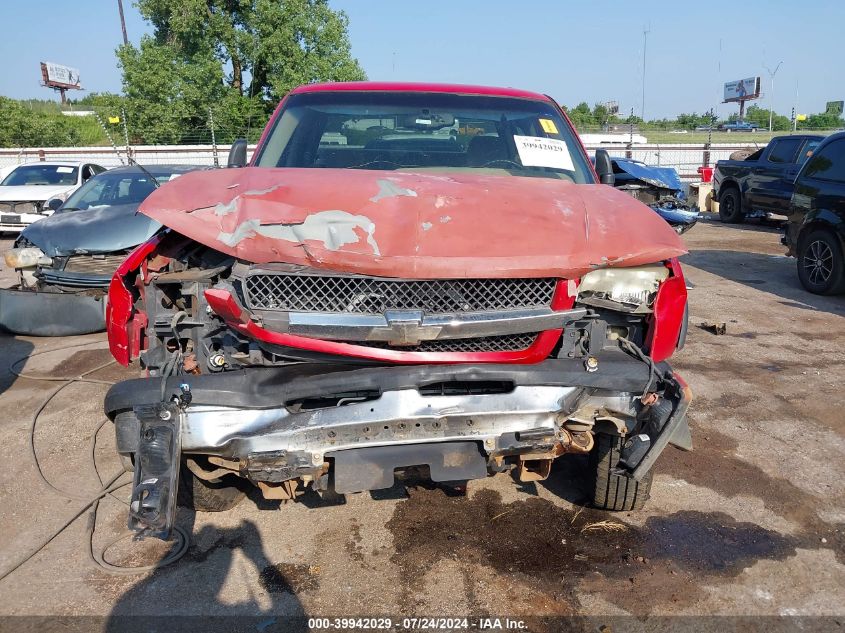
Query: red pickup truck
x: 427, y: 276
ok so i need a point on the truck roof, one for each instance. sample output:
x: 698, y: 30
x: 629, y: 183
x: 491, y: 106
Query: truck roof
x: 389, y: 86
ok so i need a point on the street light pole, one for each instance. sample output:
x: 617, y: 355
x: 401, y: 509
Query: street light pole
x: 772, y: 97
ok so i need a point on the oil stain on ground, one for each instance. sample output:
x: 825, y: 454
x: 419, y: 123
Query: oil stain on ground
x: 558, y: 550
x: 713, y: 542
x: 289, y: 578
x: 714, y: 465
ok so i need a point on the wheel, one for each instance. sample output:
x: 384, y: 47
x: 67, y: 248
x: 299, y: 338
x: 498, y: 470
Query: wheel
x: 730, y: 206
x: 821, y: 267
x: 611, y: 491
x: 209, y: 496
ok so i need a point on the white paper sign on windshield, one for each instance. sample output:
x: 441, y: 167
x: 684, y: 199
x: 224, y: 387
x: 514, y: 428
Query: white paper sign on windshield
x: 537, y: 151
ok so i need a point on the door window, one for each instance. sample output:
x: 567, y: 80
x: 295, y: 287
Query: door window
x: 828, y: 163
x: 807, y: 150
x: 784, y: 150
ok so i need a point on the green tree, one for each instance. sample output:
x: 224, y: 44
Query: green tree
x: 692, y: 121
x: 168, y: 92
x: 41, y: 124
x: 581, y: 116
x: 238, y: 57
x: 760, y: 116
x: 822, y: 121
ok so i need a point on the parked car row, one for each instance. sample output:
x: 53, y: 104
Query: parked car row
x: 799, y: 179
x: 66, y: 259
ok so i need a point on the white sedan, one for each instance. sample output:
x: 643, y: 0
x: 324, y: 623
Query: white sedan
x: 26, y: 190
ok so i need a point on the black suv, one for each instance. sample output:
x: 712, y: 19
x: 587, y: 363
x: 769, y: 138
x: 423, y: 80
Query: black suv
x: 816, y: 230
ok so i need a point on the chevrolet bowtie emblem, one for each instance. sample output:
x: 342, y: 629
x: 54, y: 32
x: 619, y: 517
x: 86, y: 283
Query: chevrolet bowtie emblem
x: 405, y: 327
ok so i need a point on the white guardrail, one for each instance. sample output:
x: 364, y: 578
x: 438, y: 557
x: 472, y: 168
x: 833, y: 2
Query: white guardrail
x: 685, y: 158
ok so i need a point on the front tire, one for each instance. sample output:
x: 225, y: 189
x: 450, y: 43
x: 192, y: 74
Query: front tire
x: 821, y: 266
x: 730, y: 206
x: 209, y: 496
x: 611, y: 491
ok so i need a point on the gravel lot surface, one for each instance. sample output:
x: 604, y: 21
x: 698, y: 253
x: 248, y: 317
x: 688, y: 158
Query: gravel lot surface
x: 751, y: 522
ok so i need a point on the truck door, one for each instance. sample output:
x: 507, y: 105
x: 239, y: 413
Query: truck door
x: 822, y: 183
x: 771, y: 180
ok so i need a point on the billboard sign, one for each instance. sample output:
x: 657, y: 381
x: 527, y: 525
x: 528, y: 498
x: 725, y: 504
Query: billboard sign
x: 834, y: 107
x: 58, y: 76
x: 612, y: 107
x: 742, y: 89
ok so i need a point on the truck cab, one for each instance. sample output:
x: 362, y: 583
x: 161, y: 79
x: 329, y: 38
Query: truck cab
x: 761, y: 185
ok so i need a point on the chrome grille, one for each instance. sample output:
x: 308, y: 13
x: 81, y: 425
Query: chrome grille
x: 94, y: 264
x: 508, y: 343
x: 369, y: 295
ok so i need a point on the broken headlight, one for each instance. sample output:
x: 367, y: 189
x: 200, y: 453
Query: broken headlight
x: 626, y: 289
x: 27, y: 207
x: 27, y: 257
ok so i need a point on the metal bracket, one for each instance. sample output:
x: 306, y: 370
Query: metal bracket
x: 152, y: 508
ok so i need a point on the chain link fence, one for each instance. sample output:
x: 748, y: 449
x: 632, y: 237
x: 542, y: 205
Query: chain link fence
x: 685, y: 158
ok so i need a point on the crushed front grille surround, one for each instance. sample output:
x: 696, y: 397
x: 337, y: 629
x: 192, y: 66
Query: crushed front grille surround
x: 370, y: 295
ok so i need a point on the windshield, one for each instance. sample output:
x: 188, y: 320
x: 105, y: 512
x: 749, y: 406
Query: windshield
x: 115, y: 188
x: 416, y: 131
x: 41, y: 175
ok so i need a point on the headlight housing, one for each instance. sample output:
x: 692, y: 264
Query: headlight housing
x: 625, y: 289
x: 27, y: 257
x: 27, y: 207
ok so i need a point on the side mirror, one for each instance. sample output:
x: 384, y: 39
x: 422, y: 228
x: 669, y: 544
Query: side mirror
x: 54, y: 203
x: 237, y: 154
x: 604, y: 168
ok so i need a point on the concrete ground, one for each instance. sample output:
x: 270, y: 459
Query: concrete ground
x: 752, y: 522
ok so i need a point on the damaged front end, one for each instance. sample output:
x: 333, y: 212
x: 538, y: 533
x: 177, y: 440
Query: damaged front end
x: 658, y: 187
x: 293, y: 378
x: 348, y: 429
x: 62, y: 295
x: 414, y: 290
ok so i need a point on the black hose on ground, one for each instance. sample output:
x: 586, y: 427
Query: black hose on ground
x: 90, y: 503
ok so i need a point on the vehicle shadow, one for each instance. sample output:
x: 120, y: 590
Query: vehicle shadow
x: 226, y: 582
x: 568, y: 480
x: 775, y: 274
x: 12, y: 349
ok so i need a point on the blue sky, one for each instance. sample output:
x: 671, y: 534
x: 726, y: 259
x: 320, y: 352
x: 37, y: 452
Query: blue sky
x: 574, y: 51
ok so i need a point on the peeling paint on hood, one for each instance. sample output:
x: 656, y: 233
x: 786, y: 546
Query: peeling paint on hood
x: 362, y: 221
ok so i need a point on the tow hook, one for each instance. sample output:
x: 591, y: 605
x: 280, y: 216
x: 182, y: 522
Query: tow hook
x: 152, y: 507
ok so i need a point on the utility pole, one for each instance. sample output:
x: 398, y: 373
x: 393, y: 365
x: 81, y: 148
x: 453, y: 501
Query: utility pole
x: 122, y: 22
x: 795, y: 109
x: 772, y: 74
x: 646, y: 31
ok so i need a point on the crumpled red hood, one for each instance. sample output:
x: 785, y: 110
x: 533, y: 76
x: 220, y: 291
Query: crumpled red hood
x: 414, y: 225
